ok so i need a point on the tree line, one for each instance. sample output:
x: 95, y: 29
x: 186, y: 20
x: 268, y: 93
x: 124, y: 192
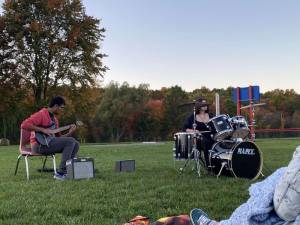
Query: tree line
x: 52, y: 47
x: 120, y: 112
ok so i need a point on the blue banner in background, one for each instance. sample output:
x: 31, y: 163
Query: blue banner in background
x: 244, y: 94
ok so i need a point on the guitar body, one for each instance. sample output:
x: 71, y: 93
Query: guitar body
x: 42, y: 138
x: 45, y: 139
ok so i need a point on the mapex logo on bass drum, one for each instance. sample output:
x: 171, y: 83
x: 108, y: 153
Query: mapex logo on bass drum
x: 246, y: 151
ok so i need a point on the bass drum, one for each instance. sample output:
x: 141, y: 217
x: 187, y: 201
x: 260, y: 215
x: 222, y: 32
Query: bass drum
x: 239, y: 159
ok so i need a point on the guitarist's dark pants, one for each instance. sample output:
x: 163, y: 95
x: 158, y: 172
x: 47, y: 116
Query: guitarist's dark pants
x: 68, y: 146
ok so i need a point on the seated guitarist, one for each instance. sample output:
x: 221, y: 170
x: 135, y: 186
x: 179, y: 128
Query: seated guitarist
x: 45, y: 121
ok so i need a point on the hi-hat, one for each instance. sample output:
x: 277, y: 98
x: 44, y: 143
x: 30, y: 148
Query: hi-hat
x: 253, y: 105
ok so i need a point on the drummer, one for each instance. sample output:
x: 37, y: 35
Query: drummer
x: 202, y: 116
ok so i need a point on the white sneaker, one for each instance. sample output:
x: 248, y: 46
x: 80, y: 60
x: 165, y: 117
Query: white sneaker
x: 60, y: 176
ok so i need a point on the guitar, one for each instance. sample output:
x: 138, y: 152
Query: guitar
x: 44, y: 139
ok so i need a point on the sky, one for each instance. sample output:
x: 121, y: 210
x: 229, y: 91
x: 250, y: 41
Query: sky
x: 195, y: 43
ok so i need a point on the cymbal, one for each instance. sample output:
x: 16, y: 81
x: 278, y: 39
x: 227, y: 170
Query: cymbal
x: 196, y: 101
x: 253, y: 105
x: 188, y: 103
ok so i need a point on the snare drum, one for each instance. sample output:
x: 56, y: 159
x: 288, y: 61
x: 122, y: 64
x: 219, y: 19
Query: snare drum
x: 220, y: 127
x: 183, y: 145
x: 239, y: 159
x: 240, y: 127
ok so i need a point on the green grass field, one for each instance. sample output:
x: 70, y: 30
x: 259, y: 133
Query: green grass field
x: 155, y: 189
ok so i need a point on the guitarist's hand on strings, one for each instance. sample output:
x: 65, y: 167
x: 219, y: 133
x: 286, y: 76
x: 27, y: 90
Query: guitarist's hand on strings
x: 72, y: 129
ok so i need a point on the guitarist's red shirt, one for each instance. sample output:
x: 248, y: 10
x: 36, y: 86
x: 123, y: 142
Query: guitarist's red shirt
x: 40, y: 119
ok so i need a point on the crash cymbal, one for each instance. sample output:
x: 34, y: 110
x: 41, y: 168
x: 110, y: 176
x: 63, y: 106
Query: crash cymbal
x: 253, y: 105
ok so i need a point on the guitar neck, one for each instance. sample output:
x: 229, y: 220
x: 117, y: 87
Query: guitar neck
x: 60, y: 129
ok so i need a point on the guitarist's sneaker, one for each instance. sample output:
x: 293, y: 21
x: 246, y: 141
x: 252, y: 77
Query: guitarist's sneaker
x: 60, y: 176
x: 198, y: 217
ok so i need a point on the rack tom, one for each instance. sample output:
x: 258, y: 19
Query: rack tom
x: 240, y: 127
x: 220, y: 127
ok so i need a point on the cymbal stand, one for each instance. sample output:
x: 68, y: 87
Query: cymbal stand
x: 195, y: 152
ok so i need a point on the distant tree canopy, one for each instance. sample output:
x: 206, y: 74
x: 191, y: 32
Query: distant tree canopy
x: 120, y: 112
x: 49, y: 43
x: 51, y: 47
x: 119, y: 109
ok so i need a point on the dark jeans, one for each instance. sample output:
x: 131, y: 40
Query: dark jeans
x: 68, y: 146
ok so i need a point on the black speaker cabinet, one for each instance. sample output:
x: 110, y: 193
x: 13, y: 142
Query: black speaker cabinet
x: 80, y: 168
x: 125, y: 166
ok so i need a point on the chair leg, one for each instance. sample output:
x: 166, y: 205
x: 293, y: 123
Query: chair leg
x: 26, y: 165
x: 54, y: 163
x: 17, y: 166
x: 44, y: 163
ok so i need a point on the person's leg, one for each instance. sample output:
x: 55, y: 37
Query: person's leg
x: 68, y: 146
x: 70, y: 150
x: 75, y: 150
x: 206, y: 145
x: 198, y: 217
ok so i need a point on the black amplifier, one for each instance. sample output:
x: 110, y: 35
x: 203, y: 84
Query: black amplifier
x: 125, y: 165
x: 80, y: 168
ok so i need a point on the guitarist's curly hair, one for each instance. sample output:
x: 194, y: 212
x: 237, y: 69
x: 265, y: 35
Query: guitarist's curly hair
x: 57, y: 100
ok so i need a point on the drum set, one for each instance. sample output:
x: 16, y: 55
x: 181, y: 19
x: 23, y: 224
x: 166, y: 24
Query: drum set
x: 232, y: 153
